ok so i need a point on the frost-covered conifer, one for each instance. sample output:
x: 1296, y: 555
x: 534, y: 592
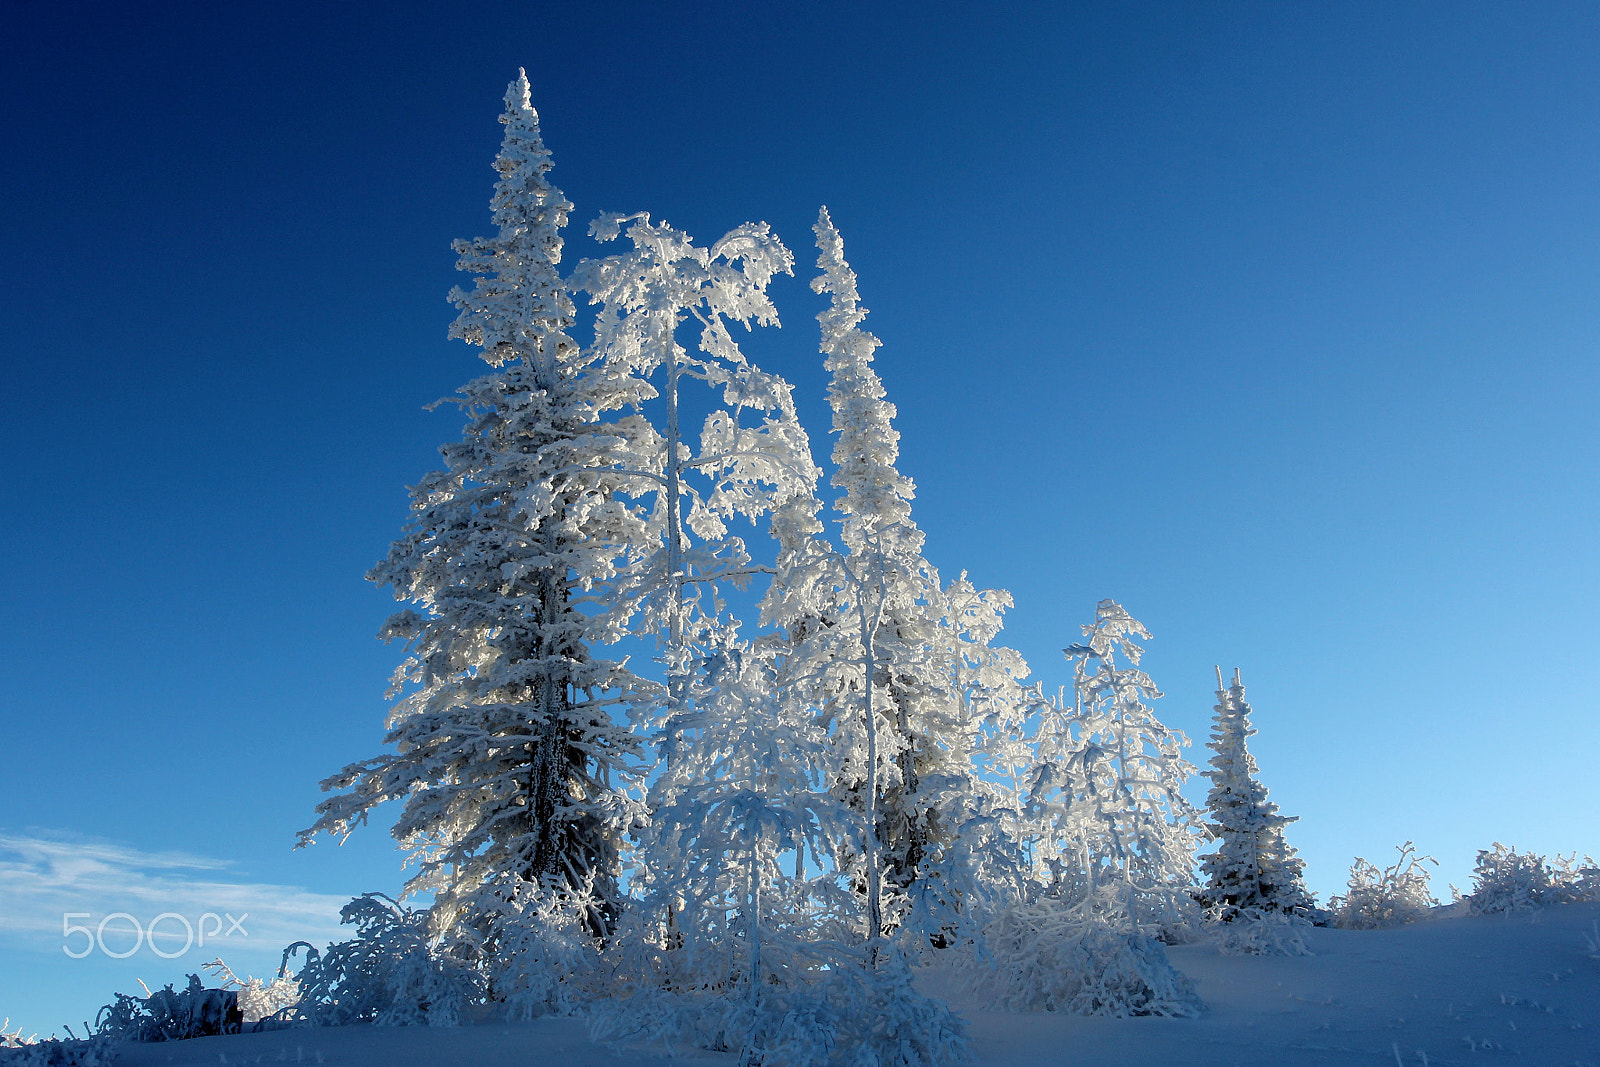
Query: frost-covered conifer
x: 981, y: 864
x: 1119, y: 836
x: 741, y: 936
x: 503, y: 749
x: 1253, y: 866
x: 740, y: 785
x: 899, y: 660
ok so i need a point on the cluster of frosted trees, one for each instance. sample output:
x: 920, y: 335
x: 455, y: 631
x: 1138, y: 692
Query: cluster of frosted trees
x: 750, y: 847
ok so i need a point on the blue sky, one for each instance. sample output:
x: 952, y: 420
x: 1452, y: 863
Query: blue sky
x: 1276, y: 323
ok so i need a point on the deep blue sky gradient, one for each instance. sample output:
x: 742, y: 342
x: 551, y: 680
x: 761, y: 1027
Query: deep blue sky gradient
x: 1276, y: 323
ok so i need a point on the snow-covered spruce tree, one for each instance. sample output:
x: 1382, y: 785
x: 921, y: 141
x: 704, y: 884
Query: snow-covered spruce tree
x: 752, y: 456
x: 800, y: 615
x: 1253, y: 868
x: 1126, y: 859
x: 897, y: 662
x: 503, y: 748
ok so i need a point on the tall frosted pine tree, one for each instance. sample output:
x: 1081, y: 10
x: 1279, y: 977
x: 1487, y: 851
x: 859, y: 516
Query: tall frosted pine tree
x: 897, y: 661
x: 503, y: 750
x: 1253, y: 865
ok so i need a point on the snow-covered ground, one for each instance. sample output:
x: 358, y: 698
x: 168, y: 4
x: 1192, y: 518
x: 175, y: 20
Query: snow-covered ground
x: 1452, y: 989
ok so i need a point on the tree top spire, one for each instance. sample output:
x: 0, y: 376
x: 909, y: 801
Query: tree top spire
x: 837, y: 277
x: 519, y: 95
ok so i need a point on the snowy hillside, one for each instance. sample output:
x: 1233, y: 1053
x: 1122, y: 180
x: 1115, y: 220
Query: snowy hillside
x: 1452, y: 989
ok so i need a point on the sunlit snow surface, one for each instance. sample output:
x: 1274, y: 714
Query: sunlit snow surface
x: 1454, y: 989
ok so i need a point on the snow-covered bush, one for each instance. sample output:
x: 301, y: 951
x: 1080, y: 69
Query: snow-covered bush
x: 18, y: 1051
x: 546, y: 960
x: 1260, y: 932
x: 391, y: 973
x: 882, y: 1019
x: 1584, y: 883
x: 1396, y: 895
x: 167, y: 1015
x: 785, y: 1026
x: 1506, y: 880
x: 851, y: 1014
x: 97, y: 1050
x: 258, y: 1000
x: 1039, y: 957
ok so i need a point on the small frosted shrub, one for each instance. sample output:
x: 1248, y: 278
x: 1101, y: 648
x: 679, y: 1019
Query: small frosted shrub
x: 1576, y: 883
x: 882, y: 1019
x: 258, y: 1000
x: 1041, y: 960
x: 1375, y: 899
x: 1505, y: 880
x: 166, y: 1015
x: 391, y: 973
x: 1585, y: 882
x: 853, y: 1015
x: 547, y: 961
x: 801, y: 1023
x: 1261, y: 932
x: 18, y: 1051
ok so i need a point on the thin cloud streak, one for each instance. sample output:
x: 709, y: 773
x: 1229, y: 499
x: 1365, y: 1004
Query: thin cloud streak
x: 43, y: 877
